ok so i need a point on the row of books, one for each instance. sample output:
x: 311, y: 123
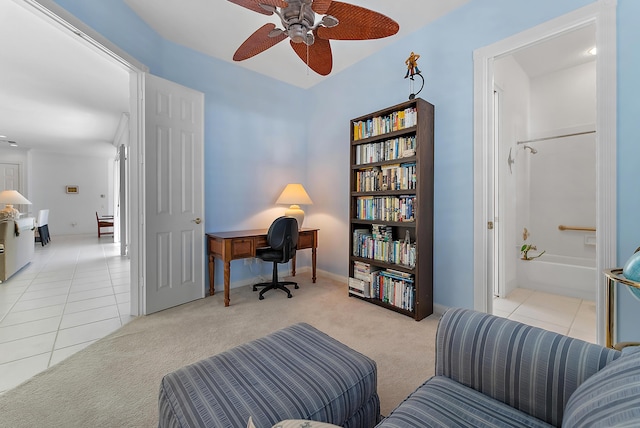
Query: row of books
x: 390, y: 286
x: 383, y: 124
x: 387, y: 177
x: 386, y: 208
x: 396, y: 290
x: 396, y: 148
x: 382, y: 232
x: 399, y: 252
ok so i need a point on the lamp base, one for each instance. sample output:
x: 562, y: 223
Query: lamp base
x: 9, y: 212
x: 297, y: 213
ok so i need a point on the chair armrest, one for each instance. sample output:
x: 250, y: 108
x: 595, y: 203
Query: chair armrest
x: 531, y: 369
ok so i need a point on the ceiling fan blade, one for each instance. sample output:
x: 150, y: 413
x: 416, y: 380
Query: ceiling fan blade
x: 254, y: 5
x: 357, y: 23
x: 320, y: 6
x: 258, y: 42
x: 320, y: 58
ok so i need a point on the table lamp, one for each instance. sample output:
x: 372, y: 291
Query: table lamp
x: 11, y: 198
x: 294, y: 195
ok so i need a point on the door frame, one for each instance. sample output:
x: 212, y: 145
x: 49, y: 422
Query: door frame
x: 68, y: 23
x: 603, y: 14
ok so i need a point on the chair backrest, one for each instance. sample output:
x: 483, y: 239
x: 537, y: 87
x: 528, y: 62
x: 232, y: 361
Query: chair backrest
x: 283, y: 235
x: 43, y: 217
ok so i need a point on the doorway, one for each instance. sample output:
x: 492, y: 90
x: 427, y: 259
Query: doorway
x: 495, y: 270
x: 52, y: 16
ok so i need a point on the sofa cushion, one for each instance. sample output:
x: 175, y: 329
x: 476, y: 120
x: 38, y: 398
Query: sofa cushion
x: 295, y: 373
x: 442, y: 402
x: 609, y: 398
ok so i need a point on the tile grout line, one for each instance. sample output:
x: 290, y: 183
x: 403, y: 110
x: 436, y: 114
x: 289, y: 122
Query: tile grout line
x: 55, y: 339
x: 47, y: 265
x: 113, y: 291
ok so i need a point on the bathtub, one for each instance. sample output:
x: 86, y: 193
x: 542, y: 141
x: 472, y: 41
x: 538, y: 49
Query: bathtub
x: 567, y: 276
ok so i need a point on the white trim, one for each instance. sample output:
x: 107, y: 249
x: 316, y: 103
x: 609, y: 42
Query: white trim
x: 137, y: 249
x: 66, y: 22
x: 603, y: 14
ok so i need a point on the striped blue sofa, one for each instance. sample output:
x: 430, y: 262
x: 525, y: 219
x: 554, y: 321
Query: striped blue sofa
x: 493, y: 372
x: 295, y: 373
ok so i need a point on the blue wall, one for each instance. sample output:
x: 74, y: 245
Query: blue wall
x: 258, y: 130
x: 628, y: 157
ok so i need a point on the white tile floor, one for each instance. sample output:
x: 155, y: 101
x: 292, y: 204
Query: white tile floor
x: 74, y: 292
x: 566, y: 315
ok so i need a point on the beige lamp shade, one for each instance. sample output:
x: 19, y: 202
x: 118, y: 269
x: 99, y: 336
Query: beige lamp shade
x: 294, y: 195
x: 11, y: 198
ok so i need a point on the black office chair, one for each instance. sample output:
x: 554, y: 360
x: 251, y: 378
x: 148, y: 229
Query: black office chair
x: 282, y: 238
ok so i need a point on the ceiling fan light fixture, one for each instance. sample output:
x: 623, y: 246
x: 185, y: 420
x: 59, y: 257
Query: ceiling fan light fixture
x: 297, y: 33
x: 329, y: 21
x: 276, y: 32
x: 310, y: 39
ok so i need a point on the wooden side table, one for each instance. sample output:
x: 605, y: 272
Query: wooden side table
x: 614, y: 276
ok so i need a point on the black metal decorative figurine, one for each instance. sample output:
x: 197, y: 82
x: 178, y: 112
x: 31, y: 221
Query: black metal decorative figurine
x: 413, y: 70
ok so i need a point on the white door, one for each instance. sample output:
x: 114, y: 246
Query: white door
x: 174, y: 194
x: 10, y: 177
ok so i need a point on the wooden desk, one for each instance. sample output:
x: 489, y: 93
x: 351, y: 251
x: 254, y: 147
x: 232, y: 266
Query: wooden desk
x: 242, y: 244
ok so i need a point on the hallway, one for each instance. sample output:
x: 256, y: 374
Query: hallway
x: 75, y: 291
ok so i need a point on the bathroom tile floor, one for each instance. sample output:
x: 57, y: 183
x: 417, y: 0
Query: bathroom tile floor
x: 566, y: 315
x: 74, y: 292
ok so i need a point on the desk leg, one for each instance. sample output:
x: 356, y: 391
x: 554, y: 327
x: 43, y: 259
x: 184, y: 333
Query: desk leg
x: 313, y: 264
x: 293, y: 265
x: 227, y: 279
x: 212, y: 269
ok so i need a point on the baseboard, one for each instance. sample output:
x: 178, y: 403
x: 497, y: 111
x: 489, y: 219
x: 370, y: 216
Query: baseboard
x: 438, y: 310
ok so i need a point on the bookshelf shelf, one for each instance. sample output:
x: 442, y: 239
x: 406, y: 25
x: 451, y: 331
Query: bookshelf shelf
x: 391, y: 178
x: 386, y: 162
x: 389, y: 223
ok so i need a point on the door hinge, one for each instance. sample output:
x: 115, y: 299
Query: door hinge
x: 490, y: 225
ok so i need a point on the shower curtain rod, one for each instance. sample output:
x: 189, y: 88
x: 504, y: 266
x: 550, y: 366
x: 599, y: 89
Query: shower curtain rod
x: 557, y: 136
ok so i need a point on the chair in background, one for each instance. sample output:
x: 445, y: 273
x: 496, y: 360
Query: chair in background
x: 43, y: 227
x: 104, y: 222
x: 282, y: 238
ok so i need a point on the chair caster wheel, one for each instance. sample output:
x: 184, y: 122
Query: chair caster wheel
x: 255, y: 289
x: 296, y: 286
x: 261, y: 298
x: 289, y: 296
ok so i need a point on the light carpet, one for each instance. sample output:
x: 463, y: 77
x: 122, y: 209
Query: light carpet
x: 115, y: 381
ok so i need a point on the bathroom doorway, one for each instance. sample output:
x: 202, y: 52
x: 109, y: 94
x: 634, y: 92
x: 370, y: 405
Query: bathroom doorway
x: 546, y: 183
x: 537, y: 126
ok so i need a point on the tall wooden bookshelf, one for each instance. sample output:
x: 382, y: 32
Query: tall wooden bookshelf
x: 391, y: 208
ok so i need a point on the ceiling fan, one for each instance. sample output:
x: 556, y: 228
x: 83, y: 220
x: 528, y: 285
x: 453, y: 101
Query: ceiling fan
x: 309, y: 35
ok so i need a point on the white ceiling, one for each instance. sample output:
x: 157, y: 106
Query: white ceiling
x: 218, y: 27
x: 56, y: 93
x: 558, y: 53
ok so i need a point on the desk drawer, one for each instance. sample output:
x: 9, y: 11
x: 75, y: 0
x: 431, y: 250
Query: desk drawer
x: 261, y: 241
x: 242, y: 247
x: 305, y: 240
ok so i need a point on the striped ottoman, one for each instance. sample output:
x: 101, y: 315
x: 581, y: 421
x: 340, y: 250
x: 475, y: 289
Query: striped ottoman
x: 295, y: 373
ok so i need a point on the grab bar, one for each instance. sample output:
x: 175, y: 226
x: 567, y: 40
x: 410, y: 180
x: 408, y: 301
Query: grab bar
x: 535, y: 140
x: 584, y: 229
